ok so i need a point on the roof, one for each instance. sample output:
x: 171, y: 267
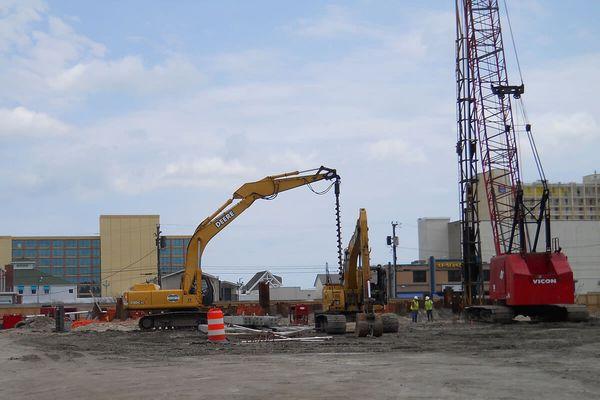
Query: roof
x: 36, y: 277
x: 261, y: 276
x: 333, y: 278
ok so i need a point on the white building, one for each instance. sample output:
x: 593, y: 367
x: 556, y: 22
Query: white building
x: 433, y: 237
x: 35, y: 287
x: 579, y: 240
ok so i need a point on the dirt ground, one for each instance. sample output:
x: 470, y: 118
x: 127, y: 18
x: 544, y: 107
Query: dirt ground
x: 444, y: 359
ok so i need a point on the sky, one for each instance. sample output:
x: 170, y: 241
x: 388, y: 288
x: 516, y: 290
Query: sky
x: 163, y: 107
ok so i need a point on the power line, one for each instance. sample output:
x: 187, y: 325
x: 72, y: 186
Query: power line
x: 129, y: 265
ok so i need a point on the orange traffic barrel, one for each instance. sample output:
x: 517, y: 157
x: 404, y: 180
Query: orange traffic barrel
x: 216, y: 327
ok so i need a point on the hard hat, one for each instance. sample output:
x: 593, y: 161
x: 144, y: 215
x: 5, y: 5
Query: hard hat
x: 416, y: 297
x: 426, y: 297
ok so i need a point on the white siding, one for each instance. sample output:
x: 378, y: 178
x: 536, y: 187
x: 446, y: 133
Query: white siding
x: 58, y: 293
x: 433, y: 238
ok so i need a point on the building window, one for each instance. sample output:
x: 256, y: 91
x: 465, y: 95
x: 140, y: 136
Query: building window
x: 17, y: 253
x: 454, y: 276
x: 30, y: 253
x: 71, y: 243
x: 70, y: 290
x: 419, y: 276
x: 96, y: 243
x: 17, y: 244
x: 44, y: 252
x: 71, y: 253
x: 85, y: 252
x: 176, y: 242
x: 57, y: 243
x: 84, y: 243
x: 20, y: 289
x: 58, y: 252
x: 33, y: 289
x: 177, y: 252
x: 46, y: 289
x: 177, y: 261
x: 44, y: 244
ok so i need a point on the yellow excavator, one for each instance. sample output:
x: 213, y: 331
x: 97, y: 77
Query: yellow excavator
x: 182, y: 308
x: 358, y: 297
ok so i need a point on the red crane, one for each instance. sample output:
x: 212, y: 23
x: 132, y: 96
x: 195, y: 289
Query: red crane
x: 523, y: 280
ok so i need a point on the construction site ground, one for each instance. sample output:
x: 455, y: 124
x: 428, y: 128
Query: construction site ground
x: 444, y: 359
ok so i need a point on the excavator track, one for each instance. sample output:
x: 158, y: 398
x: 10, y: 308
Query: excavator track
x: 577, y: 312
x: 541, y: 313
x: 492, y: 314
x: 172, y: 320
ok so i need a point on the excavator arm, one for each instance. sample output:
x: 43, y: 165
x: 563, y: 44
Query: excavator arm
x: 244, y: 197
x: 355, y: 280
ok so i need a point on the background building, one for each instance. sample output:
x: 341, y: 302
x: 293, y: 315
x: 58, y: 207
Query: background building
x: 414, y: 279
x: 74, y: 259
x: 433, y: 237
x: 128, y: 251
x: 579, y: 239
x: 123, y: 254
x: 36, y: 287
x: 569, y: 201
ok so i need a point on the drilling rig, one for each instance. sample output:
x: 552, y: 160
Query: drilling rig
x: 491, y: 117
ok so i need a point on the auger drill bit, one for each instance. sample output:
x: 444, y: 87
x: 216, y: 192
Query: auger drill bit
x: 338, y: 225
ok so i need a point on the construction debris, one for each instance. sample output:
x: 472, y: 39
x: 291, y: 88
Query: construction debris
x: 253, y: 321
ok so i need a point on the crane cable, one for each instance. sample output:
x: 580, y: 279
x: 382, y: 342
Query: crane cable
x: 521, y: 104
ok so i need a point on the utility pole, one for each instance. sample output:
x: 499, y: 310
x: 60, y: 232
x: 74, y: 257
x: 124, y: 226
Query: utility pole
x: 393, y: 241
x: 158, y: 246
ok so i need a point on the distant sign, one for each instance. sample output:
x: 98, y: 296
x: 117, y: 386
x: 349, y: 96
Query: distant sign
x: 448, y: 264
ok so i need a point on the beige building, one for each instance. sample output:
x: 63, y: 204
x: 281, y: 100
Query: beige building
x: 123, y: 254
x: 569, y: 201
x: 128, y: 251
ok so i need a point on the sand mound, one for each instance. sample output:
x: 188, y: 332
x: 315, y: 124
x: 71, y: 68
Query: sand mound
x: 123, y: 326
x: 38, y: 324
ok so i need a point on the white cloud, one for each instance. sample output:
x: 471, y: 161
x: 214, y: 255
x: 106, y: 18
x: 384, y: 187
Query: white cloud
x: 200, y: 173
x: 336, y: 23
x: 563, y: 128
x: 47, y: 59
x: 16, y: 18
x: 20, y: 121
x: 127, y: 73
x: 396, y: 150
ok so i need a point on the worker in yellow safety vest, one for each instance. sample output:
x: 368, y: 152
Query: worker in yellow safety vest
x: 414, y: 309
x: 429, y: 308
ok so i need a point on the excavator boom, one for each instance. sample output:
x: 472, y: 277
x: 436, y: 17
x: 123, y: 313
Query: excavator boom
x: 181, y: 307
x: 246, y: 195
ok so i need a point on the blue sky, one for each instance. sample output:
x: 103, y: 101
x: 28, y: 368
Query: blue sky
x: 167, y: 107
